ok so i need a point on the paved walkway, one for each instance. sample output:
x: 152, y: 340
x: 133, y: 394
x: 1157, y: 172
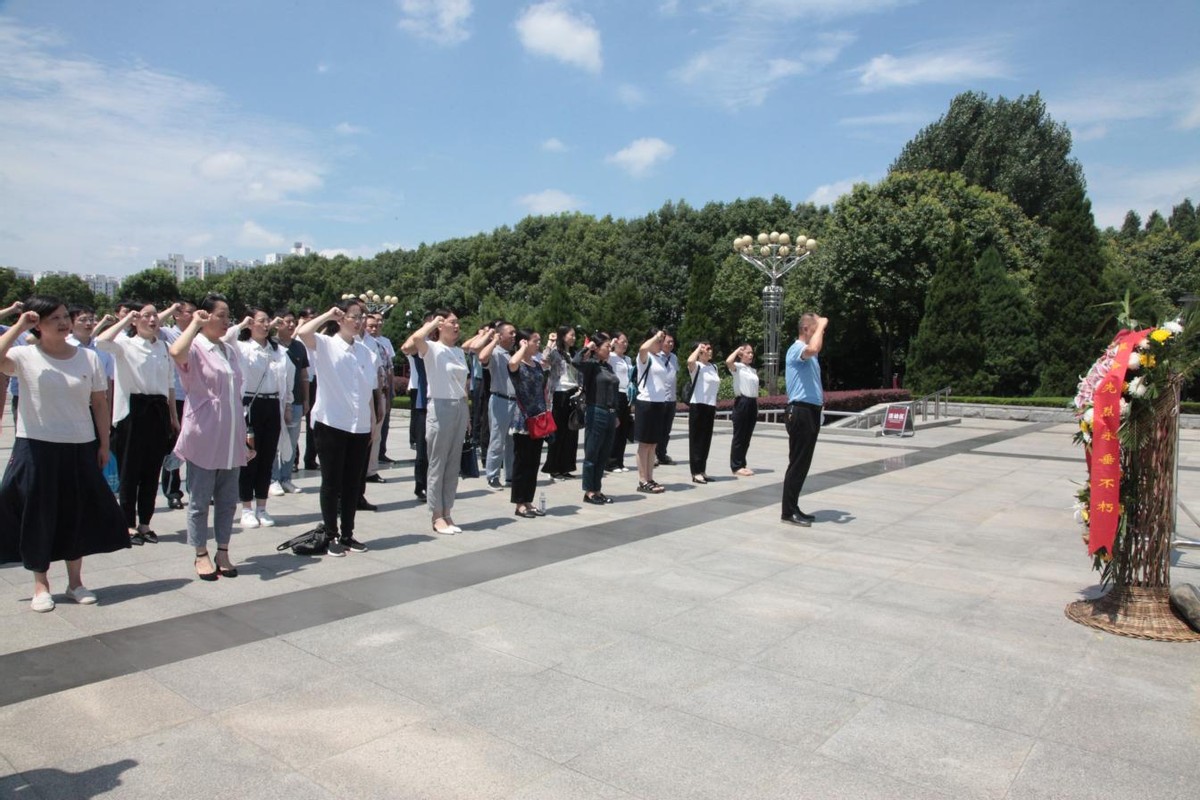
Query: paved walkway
x: 910, y: 644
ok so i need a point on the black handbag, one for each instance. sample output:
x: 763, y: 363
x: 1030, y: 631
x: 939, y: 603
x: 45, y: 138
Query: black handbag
x: 576, y: 411
x: 309, y: 543
x: 469, y: 466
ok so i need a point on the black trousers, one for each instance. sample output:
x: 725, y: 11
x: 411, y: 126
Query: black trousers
x: 700, y: 432
x: 421, y: 469
x: 387, y: 425
x: 140, y: 442
x: 660, y: 452
x: 804, y: 423
x: 342, y: 457
x: 172, y: 485
x: 262, y: 415
x: 745, y: 417
x: 527, y: 452
x: 310, y: 436
x: 624, y: 433
x: 562, y: 452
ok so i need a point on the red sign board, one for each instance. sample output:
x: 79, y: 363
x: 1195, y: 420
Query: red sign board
x: 897, y: 421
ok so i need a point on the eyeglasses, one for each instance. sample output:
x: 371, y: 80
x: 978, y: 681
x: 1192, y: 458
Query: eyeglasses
x: 353, y: 319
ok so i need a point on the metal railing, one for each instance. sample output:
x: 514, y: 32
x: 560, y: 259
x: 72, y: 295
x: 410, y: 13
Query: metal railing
x: 941, y: 404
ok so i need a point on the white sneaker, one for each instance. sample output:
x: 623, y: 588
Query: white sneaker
x: 265, y: 519
x: 82, y: 595
x: 42, y: 602
x: 290, y: 487
x: 249, y: 519
x: 276, y: 489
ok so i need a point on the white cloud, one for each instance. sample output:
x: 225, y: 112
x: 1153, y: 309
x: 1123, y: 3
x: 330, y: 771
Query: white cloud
x: 550, y: 201
x: 361, y: 251
x: 896, y: 118
x: 787, y: 10
x: 254, y: 235
x: 441, y: 21
x: 549, y: 29
x: 1175, y: 99
x: 631, y: 96
x: 1089, y: 133
x: 956, y: 66
x: 827, y: 194
x: 346, y: 129
x: 1115, y: 190
x: 732, y: 73
x: 322, y: 68
x: 668, y: 8
x: 94, y: 156
x: 554, y: 145
x: 642, y: 155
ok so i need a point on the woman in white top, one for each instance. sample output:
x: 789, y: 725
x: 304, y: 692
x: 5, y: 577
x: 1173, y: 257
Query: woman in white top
x: 564, y: 382
x: 622, y: 367
x: 446, y: 411
x: 650, y: 409
x: 342, y: 416
x: 144, y: 415
x: 54, y: 502
x: 702, y: 409
x: 268, y: 375
x: 745, y: 406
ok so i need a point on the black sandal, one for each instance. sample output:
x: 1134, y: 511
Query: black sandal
x: 149, y: 536
x: 204, y: 576
x: 231, y: 572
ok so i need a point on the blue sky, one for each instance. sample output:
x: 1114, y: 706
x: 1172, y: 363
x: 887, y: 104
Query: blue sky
x: 131, y: 129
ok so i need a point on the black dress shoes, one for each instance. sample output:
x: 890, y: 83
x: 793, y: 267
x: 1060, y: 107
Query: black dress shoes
x: 808, y: 517
x: 797, y: 519
x: 364, y: 505
x: 376, y: 478
x: 494, y: 483
x: 420, y: 494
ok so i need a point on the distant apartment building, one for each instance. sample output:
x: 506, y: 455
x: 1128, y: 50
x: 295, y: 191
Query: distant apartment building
x: 298, y: 249
x: 102, y: 284
x: 203, y: 268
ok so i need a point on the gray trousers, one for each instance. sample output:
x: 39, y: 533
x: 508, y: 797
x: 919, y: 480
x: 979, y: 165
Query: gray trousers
x: 445, y: 431
x: 220, y: 486
x: 500, y: 414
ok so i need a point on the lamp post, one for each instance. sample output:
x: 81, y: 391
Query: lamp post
x: 375, y: 303
x: 774, y: 254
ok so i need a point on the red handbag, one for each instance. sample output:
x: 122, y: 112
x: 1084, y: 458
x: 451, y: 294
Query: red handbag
x: 541, y: 425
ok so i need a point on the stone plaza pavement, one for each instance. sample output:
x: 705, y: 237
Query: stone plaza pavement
x: 910, y: 644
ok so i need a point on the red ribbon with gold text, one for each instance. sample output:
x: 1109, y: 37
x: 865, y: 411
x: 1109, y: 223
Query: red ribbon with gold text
x: 1104, y: 461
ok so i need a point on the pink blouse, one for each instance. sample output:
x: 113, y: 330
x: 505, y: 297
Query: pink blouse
x: 213, y: 429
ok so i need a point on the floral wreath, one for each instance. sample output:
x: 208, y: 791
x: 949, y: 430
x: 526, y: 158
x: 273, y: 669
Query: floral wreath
x: 1146, y: 353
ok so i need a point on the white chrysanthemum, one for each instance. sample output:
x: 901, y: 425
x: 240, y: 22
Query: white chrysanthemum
x: 1135, y: 361
x: 1143, y: 345
x: 1174, y: 327
x: 1089, y: 415
x: 1078, y: 512
x: 1137, y: 387
x: 1124, y: 407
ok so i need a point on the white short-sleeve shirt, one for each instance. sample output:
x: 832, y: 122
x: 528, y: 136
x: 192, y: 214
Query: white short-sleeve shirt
x: 347, y: 380
x: 142, y: 367
x: 56, y: 394
x: 659, y: 378
x: 445, y: 371
x: 706, y: 382
x: 745, y: 380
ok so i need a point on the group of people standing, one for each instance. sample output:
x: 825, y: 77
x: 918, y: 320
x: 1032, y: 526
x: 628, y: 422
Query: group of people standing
x: 226, y: 399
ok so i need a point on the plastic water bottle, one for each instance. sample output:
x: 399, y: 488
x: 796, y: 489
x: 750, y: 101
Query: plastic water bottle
x: 542, y: 503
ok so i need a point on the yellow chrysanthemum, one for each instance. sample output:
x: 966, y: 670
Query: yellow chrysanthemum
x: 1160, y: 335
x: 1150, y: 362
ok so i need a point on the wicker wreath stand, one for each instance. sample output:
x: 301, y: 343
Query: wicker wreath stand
x: 1139, y: 603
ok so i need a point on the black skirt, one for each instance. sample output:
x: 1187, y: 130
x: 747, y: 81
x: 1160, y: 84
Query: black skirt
x: 56, y: 506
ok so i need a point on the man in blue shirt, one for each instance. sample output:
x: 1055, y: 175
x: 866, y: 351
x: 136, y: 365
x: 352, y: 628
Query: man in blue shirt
x: 805, y: 399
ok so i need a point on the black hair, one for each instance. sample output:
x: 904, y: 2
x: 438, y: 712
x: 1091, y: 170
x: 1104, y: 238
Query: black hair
x: 75, y: 309
x: 332, y: 326
x: 600, y: 338
x: 209, y: 303
x: 284, y: 312
x: 244, y: 333
x: 43, y: 305
x: 561, y: 341
x: 307, y: 311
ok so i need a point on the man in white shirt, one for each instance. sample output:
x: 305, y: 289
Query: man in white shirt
x: 671, y: 362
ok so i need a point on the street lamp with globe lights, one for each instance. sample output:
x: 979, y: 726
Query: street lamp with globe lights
x: 375, y: 303
x: 774, y: 254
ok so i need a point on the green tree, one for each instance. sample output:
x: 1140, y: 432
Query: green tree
x: 1069, y: 290
x: 1184, y: 221
x: 1131, y: 228
x: 948, y: 348
x: 622, y: 308
x: 1005, y: 323
x: 1155, y: 222
x: 68, y: 288
x: 697, y: 319
x: 13, y: 288
x: 156, y: 286
x: 1008, y: 146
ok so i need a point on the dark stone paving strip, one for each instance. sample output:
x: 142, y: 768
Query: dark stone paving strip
x: 54, y: 668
